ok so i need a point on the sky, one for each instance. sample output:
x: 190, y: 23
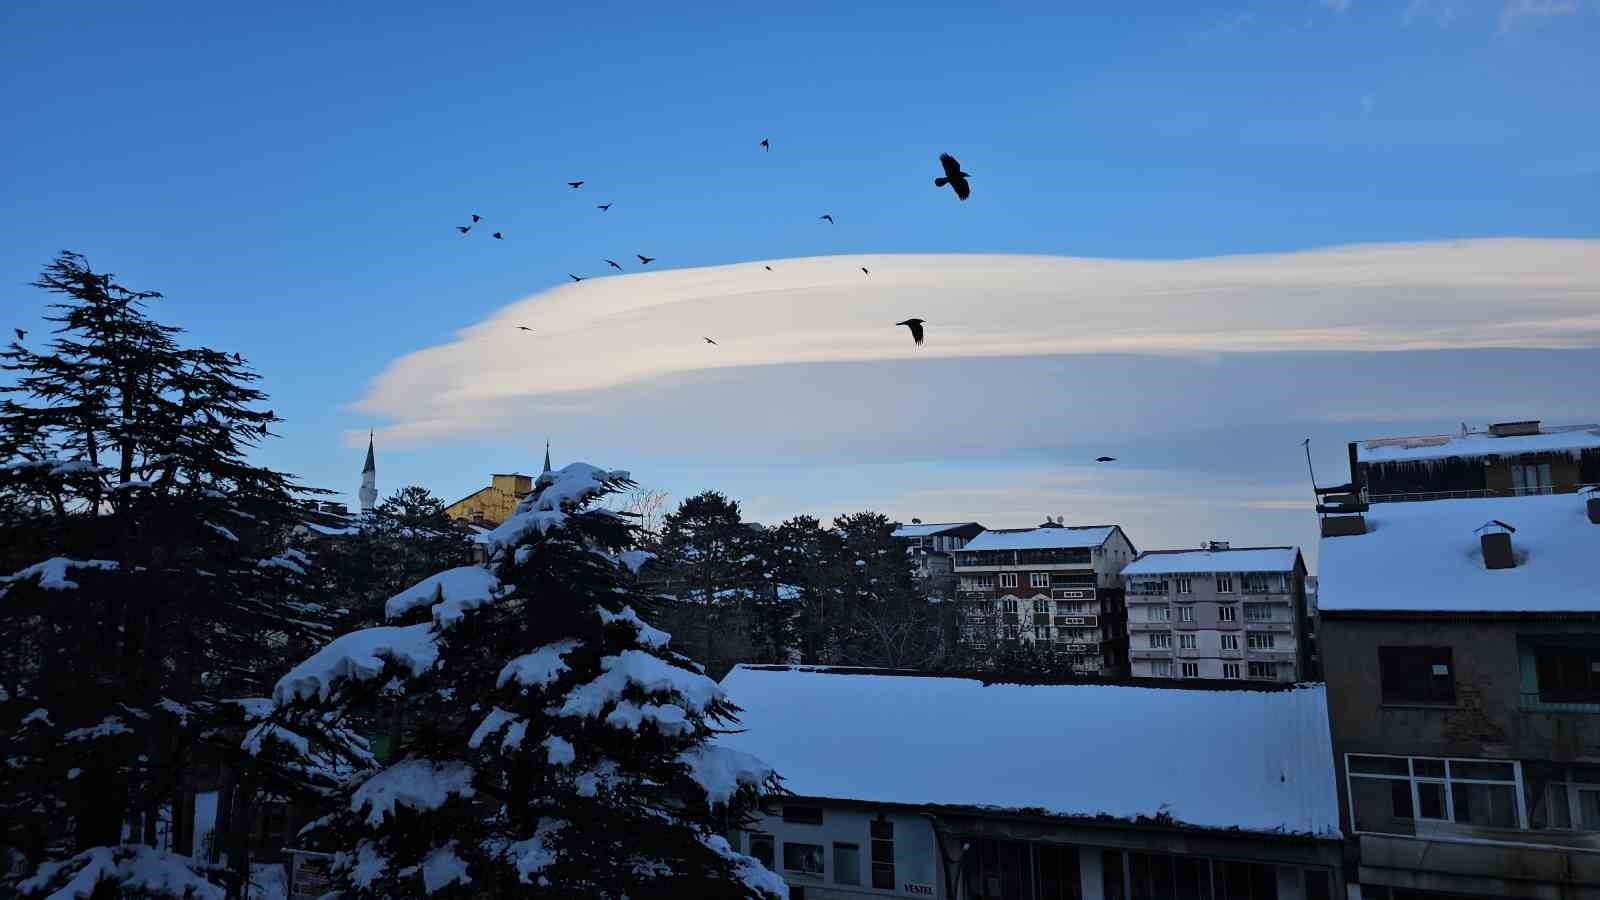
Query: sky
x: 1199, y: 233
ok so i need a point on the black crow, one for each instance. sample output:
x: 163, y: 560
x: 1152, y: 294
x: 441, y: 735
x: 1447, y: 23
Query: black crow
x: 769, y: 268
x: 645, y: 260
x: 573, y: 277
x: 497, y: 236
x: 1105, y: 459
x: 602, y: 206
x: 475, y: 218
x: 20, y: 333
x: 575, y: 184
x: 864, y: 271
x: 523, y: 328
x: 463, y: 228
x: 916, y: 329
x: 826, y: 216
x: 953, y: 176
x: 613, y: 264
x: 708, y: 340
x: 766, y: 146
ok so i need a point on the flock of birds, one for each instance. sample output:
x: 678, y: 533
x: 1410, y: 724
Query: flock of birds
x: 953, y: 177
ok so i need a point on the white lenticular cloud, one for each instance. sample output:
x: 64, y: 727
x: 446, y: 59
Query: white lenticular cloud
x: 643, y: 328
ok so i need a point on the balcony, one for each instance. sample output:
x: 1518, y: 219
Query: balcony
x: 1531, y: 702
x: 1230, y: 654
x: 1195, y: 653
x: 1272, y: 627
x: 1077, y: 621
x: 1147, y: 653
x: 1149, y: 626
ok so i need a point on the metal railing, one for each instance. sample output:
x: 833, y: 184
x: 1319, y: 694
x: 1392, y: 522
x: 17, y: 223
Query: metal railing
x: 1401, y: 496
x: 1531, y: 702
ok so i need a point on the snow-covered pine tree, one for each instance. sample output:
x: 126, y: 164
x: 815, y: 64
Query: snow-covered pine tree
x: 556, y: 747
x: 154, y: 586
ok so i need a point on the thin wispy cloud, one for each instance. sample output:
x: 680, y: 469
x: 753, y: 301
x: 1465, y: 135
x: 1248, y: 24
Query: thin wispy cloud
x: 1518, y: 12
x: 643, y: 330
x: 1439, y: 12
x: 1336, y: 5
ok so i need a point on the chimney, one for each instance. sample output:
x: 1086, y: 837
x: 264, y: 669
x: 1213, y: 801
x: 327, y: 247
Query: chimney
x: 916, y: 521
x: 1215, y: 545
x: 1494, y: 536
x: 1514, y: 429
x: 1594, y: 504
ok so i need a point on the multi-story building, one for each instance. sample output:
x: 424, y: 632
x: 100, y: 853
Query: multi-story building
x: 1218, y: 612
x: 491, y: 505
x: 931, y: 546
x: 1460, y: 640
x: 1509, y: 459
x: 1051, y: 585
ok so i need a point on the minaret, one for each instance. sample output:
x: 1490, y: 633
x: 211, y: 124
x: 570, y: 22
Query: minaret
x: 369, y: 480
x: 546, y: 476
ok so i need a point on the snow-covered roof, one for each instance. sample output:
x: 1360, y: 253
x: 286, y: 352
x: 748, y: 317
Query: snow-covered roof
x: 1042, y: 538
x: 1242, y: 559
x: 1088, y: 749
x: 1426, y: 556
x: 924, y: 529
x: 1569, y: 439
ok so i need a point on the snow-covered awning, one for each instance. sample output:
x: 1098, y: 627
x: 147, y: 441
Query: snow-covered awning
x: 1075, y: 749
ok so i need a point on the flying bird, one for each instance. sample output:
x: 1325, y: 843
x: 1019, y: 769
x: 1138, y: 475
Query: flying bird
x: 613, y: 264
x: 865, y: 272
x: 1105, y: 459
x: 769, y: 268
x: 475, y: 218
x: 602, y: 206
x: 574, y: 184
x: 463, y: 228
x: 523, y: 328
x: 766, y: 146
x: 573, y: 277
x: 953, y: 176
x: 708, y: 340
x: 20, y: 333
x: 497, y: 236
x: 826, y: 216
x: 916, y: 328
x: 645, y: 260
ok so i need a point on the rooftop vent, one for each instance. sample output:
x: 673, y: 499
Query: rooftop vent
x: 1514, y: 429
x: 1053, y: 522
x: 916, y: 521
x: 1214, y: 545
x: 1494, y: 536
x: 1343, y: 526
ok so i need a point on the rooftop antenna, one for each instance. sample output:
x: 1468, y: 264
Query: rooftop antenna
x: 1306, y: 445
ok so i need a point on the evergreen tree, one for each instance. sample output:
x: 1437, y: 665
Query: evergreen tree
x: 158, y: 583
x: 889, y: 622
x: 408, y: 537
x: 708, y: 570
x: 558, y: 748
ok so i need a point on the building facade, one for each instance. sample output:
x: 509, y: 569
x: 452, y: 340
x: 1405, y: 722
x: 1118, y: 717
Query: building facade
x: 489, y: 506
x: 931, y: 546
x: 1463, y: 680
x: 1508, y: 459
x: 1219, y: 612
x: 1049, y: 587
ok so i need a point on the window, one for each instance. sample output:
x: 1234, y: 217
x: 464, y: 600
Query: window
x: 1256, y: 641
x: 1533, y: 478
x: 1074, y: 608
x: 1160, y: 641
x: 1185, y: 614
x: 1147, y: 586
x: 1008, y: 579
x: 1041, y: 606
x: 1227, y: 613
x: 1224, y: 584
x: 1191, y: 670
x: 1159, y: 614
x: 1566, y: 804
x: 1009, y: 606
x: 1391, y: 793
x: 1158, y: 876
x: 1258, y: 612
x: 803, y: 815
x: 1568, y: 674
x: 983, y: 582
x: 1039, y: 579
x: 1230, y: 670
x: 1042, y: 632
x: 1185, y: 586
x: 805, y: 858
x: 1261, y: 670
x: 1260, y: 584
x: 761, y: 849
x: 1416, y: 675
x: 883, y: 854
x: 1230, y: 642
x: 1186, y: 642
x: 846, y: 863
x: 1161, y: 668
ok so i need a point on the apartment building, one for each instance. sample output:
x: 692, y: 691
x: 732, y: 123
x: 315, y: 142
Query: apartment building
x: 1054, y: 586
x: 1505, y: 460
x: 1219, y: 612
x: 1460, y: 640
x: 931, y: 546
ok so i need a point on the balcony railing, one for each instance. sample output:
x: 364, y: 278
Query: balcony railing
x: 1531, y: 702
x: 1402, y: 496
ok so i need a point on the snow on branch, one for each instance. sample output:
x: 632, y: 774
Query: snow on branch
x: 721, y: 771
x: 749, y: 871
x: 539, y: 668
x: 649, y: 635
x: 359, y: 655
x: 420, y: 784
x: 450, y: 593
x: 650, y: 674
x: 532, y: 856
x: 52, y: 573
x: 131, y: 869
x: 567, y: 490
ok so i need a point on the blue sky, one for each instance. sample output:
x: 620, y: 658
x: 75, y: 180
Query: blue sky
x: 290, y: 177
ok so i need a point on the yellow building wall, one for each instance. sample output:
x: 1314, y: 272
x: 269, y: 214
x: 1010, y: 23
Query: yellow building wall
x: 493, y: 504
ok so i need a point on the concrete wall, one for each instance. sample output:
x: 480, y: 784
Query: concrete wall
x: 1287, y: 627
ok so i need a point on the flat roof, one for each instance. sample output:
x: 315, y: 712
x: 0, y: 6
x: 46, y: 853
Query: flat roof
x: 1416, y: 448
x: 1072, y: 536
x: 1234, y: 559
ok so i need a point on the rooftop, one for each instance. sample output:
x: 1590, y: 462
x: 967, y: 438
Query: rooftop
x: 924, y: 529
x: 1090, y: 749
x: 1417, y: 448
x: 1236, y: 559
x: 1042, y: 538
x: 1426, y: 557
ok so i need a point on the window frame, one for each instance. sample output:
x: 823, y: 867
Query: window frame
x: 1224, y: 582
x: 821, y: 858
x: 1007, y: 580
x: 1446, y: 782
x: 1230, y: 642
x: 1034, y: 579
x: 856, y: 874
x: 1432, y: 694
x: 1189, y: 669
x: 1185, y: 614
x: 1188, y: 641
x: 1227, y: 612
x: 1160, y: 640
x: 1160, y: 613
x: 1184, y: 585
x: 1261, y: 669
x: 1260, y: 640
x: 884, y: 845
x: 1231, y: 670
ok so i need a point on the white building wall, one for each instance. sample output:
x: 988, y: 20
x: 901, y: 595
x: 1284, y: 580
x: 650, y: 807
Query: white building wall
x: 916, y: 857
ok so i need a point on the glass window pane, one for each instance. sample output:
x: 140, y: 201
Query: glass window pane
x: 847, y: 863
x: 1589, y: 809
x: 1382, y: 805
x: 1486, y: 771
x: 761, y: 849
x: 883, y: 876
x: 1380, y: 765
x: 1557, y: 807
x: 802, y: 857
x: 1428, y: 768
x: 1430, y: 801
x: 1489, y: 805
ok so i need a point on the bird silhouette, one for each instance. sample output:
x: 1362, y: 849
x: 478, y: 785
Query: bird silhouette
x: 574, y: 184
x: 864, y: 271
x: 463, y: 228
x: 645, y: 260
x: 766, y: 146
x: 613, y: 264
x: 1105, y: 459
x: 476, y: 218
x: 708, y: 340
x: 826, y: 216
x: 498, y: 236
x: 20, y: 333
x: 602, y: 206
x: 916, y: 329
x: 769, y: 268
x: 523, y: 328
x: 953, y: 176
x: 573, y: 277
